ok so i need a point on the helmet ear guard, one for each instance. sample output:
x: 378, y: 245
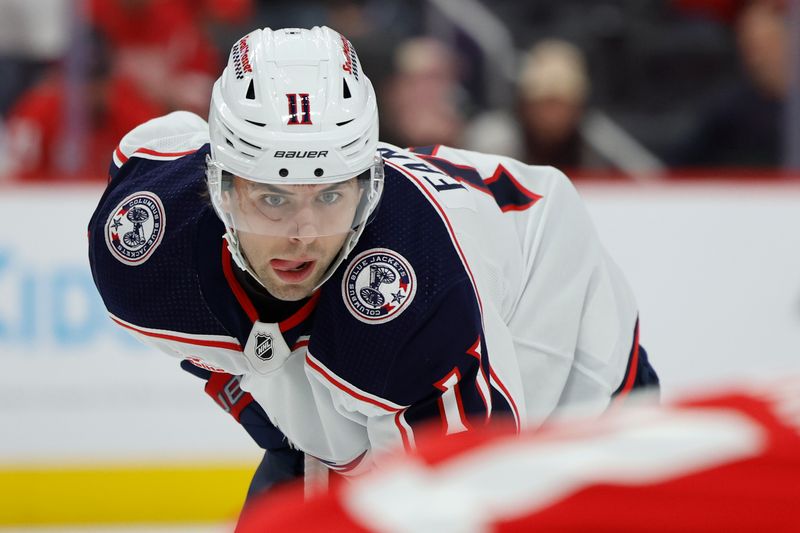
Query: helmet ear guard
x: 292, y: 108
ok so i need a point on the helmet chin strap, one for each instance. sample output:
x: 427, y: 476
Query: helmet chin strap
x: 238, y: 258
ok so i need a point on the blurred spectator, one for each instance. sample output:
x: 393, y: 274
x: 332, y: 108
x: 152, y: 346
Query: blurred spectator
x: 376, y: 28
x: 553, y: 89
x: 138, y: 71
x: 421, y: 100
x: 31, y: 35
x: 35, y: 126
x: 743, y: 126
x: 551, y: 123
x: 170, y: 59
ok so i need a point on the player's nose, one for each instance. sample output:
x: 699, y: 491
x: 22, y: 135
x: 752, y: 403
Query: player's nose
x: 307, y: 226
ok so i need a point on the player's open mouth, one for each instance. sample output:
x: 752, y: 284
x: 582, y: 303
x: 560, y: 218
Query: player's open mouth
x: 292, y: 271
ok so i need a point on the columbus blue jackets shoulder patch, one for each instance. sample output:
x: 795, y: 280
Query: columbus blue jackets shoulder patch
x: 378, y: 285
x: 135, y: 228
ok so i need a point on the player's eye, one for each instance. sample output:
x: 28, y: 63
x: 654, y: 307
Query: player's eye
x: 329, y: 197
x: 273, y: 200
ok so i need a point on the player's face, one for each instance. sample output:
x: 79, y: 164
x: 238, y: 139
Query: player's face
x: 291, y: 261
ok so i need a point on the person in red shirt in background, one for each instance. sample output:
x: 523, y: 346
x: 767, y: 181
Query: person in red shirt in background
x: 149, y: 57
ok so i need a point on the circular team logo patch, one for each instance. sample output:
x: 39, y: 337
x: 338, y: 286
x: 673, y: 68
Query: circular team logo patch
x: 135, y: 228
x: 378, y: 285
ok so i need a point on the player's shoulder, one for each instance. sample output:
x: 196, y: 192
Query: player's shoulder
x: 158, y: 173
x: 151, y: 224
x: 163, y: 138
x: 390, y: 291
x: 499, y: 175
x: 487, y: 164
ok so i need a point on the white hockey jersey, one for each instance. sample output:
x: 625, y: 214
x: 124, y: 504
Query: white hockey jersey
x: 479, y: 289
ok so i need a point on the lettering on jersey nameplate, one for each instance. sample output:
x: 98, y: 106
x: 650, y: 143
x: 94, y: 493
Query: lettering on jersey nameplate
x: 266, y: 349
x: 378, y: 285
x: 135, y: 228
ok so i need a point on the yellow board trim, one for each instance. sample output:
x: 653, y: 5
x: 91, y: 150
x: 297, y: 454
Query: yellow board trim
x: 129, y: 494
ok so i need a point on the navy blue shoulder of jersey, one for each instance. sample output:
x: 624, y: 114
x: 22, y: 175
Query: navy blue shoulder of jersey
x: 401, y: 308
x: 155, y: 249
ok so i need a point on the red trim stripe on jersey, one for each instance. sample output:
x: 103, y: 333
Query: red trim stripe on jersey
x: 184, y: 340
x: 508, y: 398
x: 122, y: 157
x: 343, y: 386
x: 148, y: 151
x: 247, y: 304
x: 302, y: 314
x: 301, y: 342
x: 399, y: 421
x: 233, y: 283
x: 633, y: 366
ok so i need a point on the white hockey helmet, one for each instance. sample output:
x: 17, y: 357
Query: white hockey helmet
x: 293, y: 113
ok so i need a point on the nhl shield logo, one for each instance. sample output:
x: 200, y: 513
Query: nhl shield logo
x: 264, y: 346
x: 135, y: 228
x: 378, y: 285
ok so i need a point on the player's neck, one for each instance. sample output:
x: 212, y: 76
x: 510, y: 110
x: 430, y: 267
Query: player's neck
x: 270, y: 309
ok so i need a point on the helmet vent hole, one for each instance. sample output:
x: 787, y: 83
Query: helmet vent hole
x: 251, y: 145
x: 251, y: 91
x: 345, y: 122
x: 228, y: 141
x: 283, y: 172
x: 254, y: 123
x: 318, y: 172
x: 346, y: 89
x: 351, y: 143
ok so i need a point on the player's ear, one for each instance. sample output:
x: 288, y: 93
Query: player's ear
x: 228, y: 194
x: 226, y: 200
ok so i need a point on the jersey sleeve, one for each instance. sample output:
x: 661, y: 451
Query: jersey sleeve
x: 150, y: 225
x: 591, y: 314
x: 575, y: 319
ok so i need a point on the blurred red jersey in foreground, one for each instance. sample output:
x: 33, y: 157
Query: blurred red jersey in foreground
x: 728, y: 461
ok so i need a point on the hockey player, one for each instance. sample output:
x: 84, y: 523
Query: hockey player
x: 336, y: 292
